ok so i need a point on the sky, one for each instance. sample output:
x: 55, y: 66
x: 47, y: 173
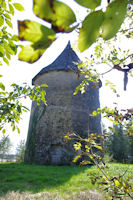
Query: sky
x: 20, y: 72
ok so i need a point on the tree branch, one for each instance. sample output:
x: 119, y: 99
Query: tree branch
x: 125, y: 30
x: 122, y: 60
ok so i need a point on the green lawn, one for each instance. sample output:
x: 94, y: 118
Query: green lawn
x: 62, y: 180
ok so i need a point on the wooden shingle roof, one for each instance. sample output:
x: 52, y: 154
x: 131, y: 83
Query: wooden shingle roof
x: 65, y: 61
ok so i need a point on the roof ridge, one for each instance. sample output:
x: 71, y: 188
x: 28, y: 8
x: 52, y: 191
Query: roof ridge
x: 65, y: 61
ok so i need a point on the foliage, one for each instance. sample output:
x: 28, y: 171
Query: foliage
x: 11, y: 107
x: 58, y: 13
x: 97, y: 24
x: 40, y: 36
x: 20, y: 151
x: 90, y: 75
x: 113, y: 18
x: 117, y: 144
x: 130, y: 139
x: 115, y: 186
x: 88, y: 36
x: 5, y: 145
x: 92, y: 149
x: 89, y: 3
x: 121, y: 117
x: 7, y: 40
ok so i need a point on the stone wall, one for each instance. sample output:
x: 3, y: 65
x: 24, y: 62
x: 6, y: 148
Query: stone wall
x: 65, y: 112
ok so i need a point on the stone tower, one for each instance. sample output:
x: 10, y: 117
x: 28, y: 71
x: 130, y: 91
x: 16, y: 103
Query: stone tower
x: 65, y: 112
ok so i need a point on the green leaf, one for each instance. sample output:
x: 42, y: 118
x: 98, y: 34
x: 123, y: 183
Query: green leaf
x: 7, y: 16
x: 4, y: 5
x: 114, y: 17
x: 117, y: 183
x: 13, y: 85
x: 9, y: 23
x: 14, y: 49
x: 3, y: 131
x: 15, y: 38
x: 19, y: 108
x: 76, y: 158
x: 92, y: 4
x: 11, y: 42
x: 85, y: 162
x: 8, y: 48
x: 18, y: 130
x: 98, y: 147
x: 18, y: 6
x: 90, y: 30
x: 35, y: 32
x: 6, y: 60
x: 1, y: 33
x: 44, y: 85
x: 1, y: 50
x: 25, y: 108
x: 57, y: 13
x: 1, y: 20
x: 11, y: 9
x: 77, y: 146
x: 8, y: 55
x: 41, y: 37
x: 94, y: 113
x: 2, y: 86
x: 29, y: 54
x: 13, y: 128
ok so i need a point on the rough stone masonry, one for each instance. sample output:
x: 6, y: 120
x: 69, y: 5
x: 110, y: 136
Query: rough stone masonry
x: 65, y: 112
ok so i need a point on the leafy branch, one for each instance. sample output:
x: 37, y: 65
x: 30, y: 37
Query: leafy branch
x: 7, y: 40
x: 118, y: 67
x: 62, y: 20
x: 11, y: 108
x: 92, y: 147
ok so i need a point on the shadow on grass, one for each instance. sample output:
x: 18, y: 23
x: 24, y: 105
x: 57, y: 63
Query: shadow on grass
x: 34, y: 178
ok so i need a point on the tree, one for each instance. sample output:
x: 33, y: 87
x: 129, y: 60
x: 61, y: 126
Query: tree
x: 20, y: 151
x: 131, y: 149
x: 5, y: 146
x: 118, y: 146
x: 11, y: 107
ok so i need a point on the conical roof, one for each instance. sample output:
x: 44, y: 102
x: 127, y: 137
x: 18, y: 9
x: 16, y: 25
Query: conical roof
x: 65, y: 61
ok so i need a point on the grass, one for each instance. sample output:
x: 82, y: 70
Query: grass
x: 53, y: 182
